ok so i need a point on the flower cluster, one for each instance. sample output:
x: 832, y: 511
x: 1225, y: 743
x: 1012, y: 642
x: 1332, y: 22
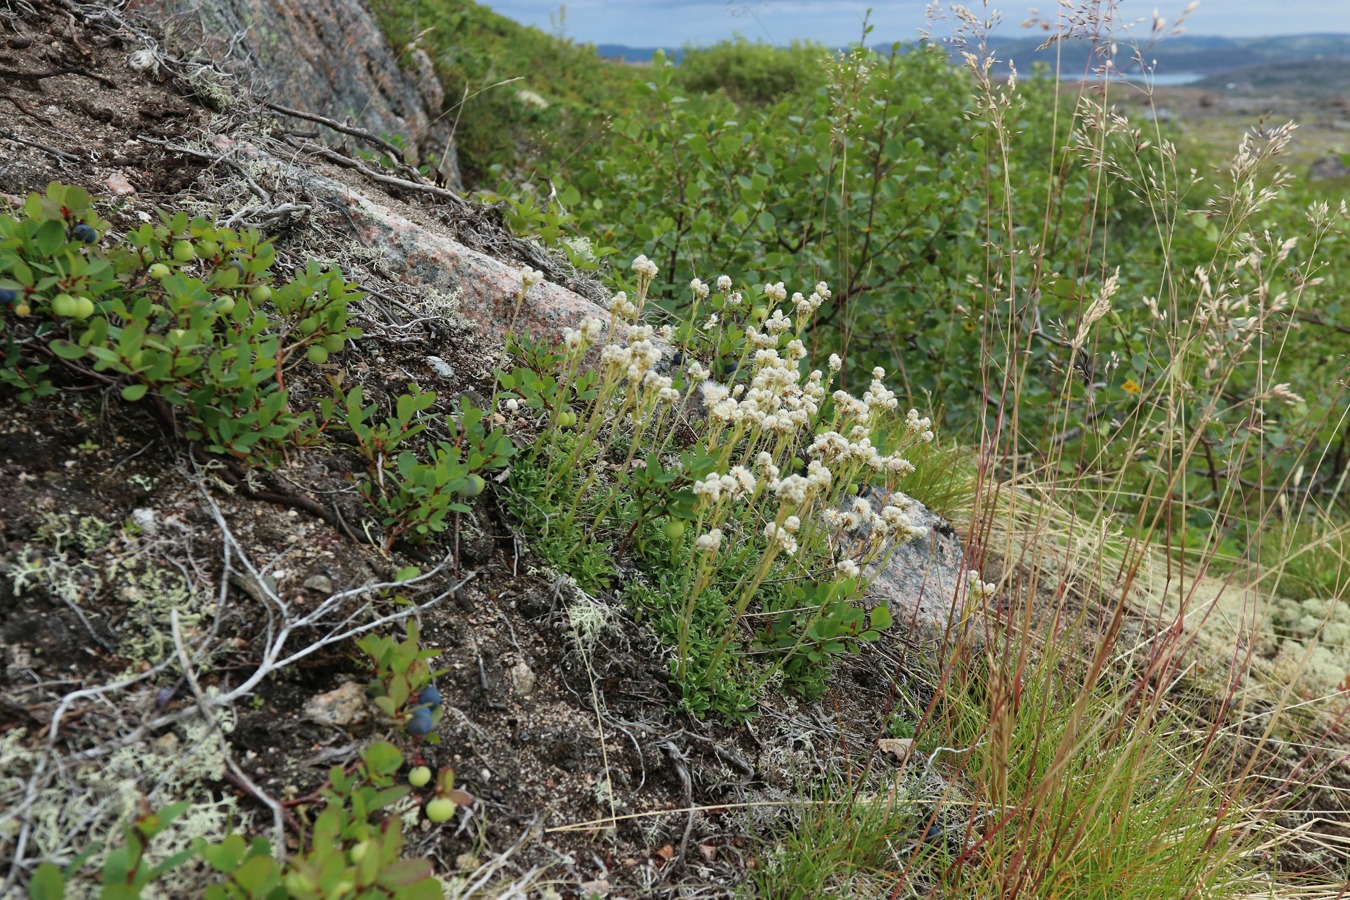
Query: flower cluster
x: 781, y: 455
x: 979, y: 589
x: 920, y: 426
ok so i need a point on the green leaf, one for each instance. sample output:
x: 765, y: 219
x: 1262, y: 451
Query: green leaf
x: 383, y: 758
x: 258, y: 875
x: 225, y: 856
x: 880, y: 617
x: 133, y: 392
x: 67, y: 350
x: 49, y: 236
x: 404, y: 873
x: 48, y: 883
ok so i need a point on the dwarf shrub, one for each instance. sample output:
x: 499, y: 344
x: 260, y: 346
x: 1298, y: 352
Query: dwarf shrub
x: 758, y: 501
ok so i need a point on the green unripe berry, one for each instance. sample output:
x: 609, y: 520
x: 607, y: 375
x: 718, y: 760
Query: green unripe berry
x: 261, y: 293
x: 674, y: 529
x: 22, y: 308
x: 183, y: 251
x: 64, y: 305
x: 440, y: 809
x: 419, y: 777
x: 358, y: 851
x: 159, y: 270
x: 84, y: 308
x: 225, y: 305
x: 473, y: 486
x: 307, y: 326
x: 317, y: 355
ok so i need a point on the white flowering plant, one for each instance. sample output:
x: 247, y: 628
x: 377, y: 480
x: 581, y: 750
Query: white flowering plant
x: 755, y: 497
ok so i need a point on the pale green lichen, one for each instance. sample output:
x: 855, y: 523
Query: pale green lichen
x: 1313, y: 639
x: 151, y: 593
x: 87, y: 534
x: 91, y: 803
x: 53, y: 563
x: 76, y: 556
x: 588, y: 619
x: 210, y: 87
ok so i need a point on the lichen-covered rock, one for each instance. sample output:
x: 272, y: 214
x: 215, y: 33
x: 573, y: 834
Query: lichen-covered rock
x: 469, y: 288
x: 341, y: 707
x: 327, y: 58
x: 920, y: 580
x: 1332, y: 165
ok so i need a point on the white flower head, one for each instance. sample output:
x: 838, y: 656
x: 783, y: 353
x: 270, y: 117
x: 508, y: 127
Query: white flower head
x: 724, y: 283
x: 708, y: 543
x: 835, y: 362
x: 775, y: 292
x: 621, y: 308
x: 743, y: 481
x: 529, y: 278
x: 592, y: 329
x: 979, y: 589
x: 700, y: 289
x: 709, y: 489
x: 781, y: 537
x: 644, y: 267
x: 847, y: 568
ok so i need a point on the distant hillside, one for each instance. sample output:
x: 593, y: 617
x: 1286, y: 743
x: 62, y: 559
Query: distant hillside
x: 1321, y: 78
x: 637, y: 54
x: 1186, y: 53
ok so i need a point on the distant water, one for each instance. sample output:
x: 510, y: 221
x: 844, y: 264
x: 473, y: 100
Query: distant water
x: 1172, y: 79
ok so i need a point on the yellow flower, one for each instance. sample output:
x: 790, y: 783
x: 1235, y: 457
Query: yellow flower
x: 1130, y: 386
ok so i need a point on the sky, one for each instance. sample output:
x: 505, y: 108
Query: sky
x: 674, y: 23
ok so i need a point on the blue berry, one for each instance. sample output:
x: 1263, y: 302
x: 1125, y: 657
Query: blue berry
x: 85, y: 233
x: 430, y: 696
x: 8, y: 296
x: 420, y: 723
